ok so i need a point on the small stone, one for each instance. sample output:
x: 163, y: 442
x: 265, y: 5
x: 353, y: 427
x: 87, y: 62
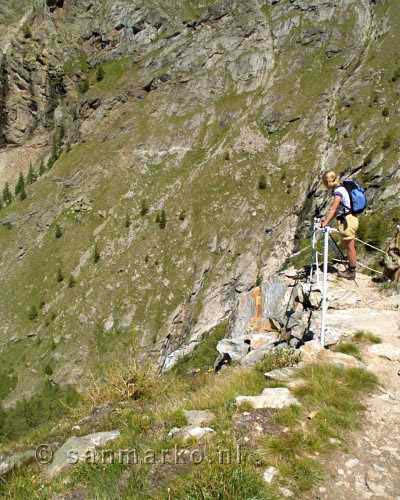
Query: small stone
x: 341, y: 472
x: 352, y: 462
x: 199, y: 417
x: 191, y: 432
x: 286, y: 492
x: 269, y: 474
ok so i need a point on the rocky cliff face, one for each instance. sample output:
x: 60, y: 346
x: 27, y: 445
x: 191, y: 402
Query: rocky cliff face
x: 192, y: 106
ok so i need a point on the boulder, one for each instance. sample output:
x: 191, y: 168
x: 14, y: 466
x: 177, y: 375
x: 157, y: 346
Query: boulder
x: 199, y: 417
x: 388, y: 351
x: 313, y: 352
x: 276, y: 398
x: 254, y: 357
x: 11, y: 462
x: 236, y: 349
x: 75, y: 449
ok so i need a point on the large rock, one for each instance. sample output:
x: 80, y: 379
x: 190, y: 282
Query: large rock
x: 313, y: 352
x: 254, y: 357
x: 236, y: 349
x: 276, y: 398
x: 387, y: 351
x: 11, y: 462
x: 75, y: 449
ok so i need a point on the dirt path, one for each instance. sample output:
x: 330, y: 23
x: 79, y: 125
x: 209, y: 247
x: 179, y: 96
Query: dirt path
x: 371, y: 467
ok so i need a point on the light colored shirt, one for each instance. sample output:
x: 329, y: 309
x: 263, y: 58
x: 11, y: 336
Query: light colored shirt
x: 344, y: 196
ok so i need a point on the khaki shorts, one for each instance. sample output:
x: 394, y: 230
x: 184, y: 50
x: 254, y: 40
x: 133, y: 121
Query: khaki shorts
x: 348, y: 228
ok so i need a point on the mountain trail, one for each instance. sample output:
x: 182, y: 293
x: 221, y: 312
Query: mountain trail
x: 369, y: 469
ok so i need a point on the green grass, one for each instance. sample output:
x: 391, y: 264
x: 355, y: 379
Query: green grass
x: 332, y: 396
x: 348, y: 348
x: 44, y: 408
x: 204, y: 355
x: 366, y: 337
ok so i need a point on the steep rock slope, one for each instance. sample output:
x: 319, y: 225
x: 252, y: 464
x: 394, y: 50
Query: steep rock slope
x: 195, y: 104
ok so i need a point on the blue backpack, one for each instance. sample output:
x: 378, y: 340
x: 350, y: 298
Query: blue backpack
x: 357, y: 195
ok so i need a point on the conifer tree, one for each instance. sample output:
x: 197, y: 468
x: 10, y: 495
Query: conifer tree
x: 20, y: 185
x: 144, y: 208
x: 7, y: 196
x: 71, y: 282
x: 60, y: 276
x: 163, y: 219
x: 262, y: 182
x: 96, y: 254
x: 42, y: 168
x: 22, y: 194
x: 100, y: 73
x: 59, y: 231
x: 31, y: 177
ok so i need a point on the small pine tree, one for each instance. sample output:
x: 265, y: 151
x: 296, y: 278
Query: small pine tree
x: 71, y: 282
x: 96, y: 254
x: 31, y: 177
x: 20, y: 185
x: 60, y: 276
x: 59, y: 232
x: 144, y: 208
x: 100, y: 73
x: 127, y: 221
x: 158, y: 218
x: 22, y: 194
x: 32, y: 313
x: 163, y: 219
x: 42, y: 168
x: 7, y: 196
x: 262, y: 182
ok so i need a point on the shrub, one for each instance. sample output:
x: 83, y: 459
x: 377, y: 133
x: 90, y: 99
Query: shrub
x: 182, y: 215
x: 262, y: 182
x: 385, y: 112
x: 48, y: 370
x: 32, y: 313
x: 127, y: 221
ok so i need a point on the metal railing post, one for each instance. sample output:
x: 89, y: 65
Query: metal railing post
x: 325, y: 285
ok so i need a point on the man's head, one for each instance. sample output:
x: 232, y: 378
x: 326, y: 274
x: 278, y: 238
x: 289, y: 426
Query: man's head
x: 330, y: 179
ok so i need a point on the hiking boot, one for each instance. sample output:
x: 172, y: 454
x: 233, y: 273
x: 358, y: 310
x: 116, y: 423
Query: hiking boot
x: 349, y: 274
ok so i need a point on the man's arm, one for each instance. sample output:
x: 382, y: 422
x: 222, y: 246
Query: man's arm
x: 331, y: 212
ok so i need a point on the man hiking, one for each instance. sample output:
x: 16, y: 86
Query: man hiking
x: 341, y: 208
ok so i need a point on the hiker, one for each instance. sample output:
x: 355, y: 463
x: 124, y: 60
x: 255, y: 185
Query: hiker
x: 341, y: 208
